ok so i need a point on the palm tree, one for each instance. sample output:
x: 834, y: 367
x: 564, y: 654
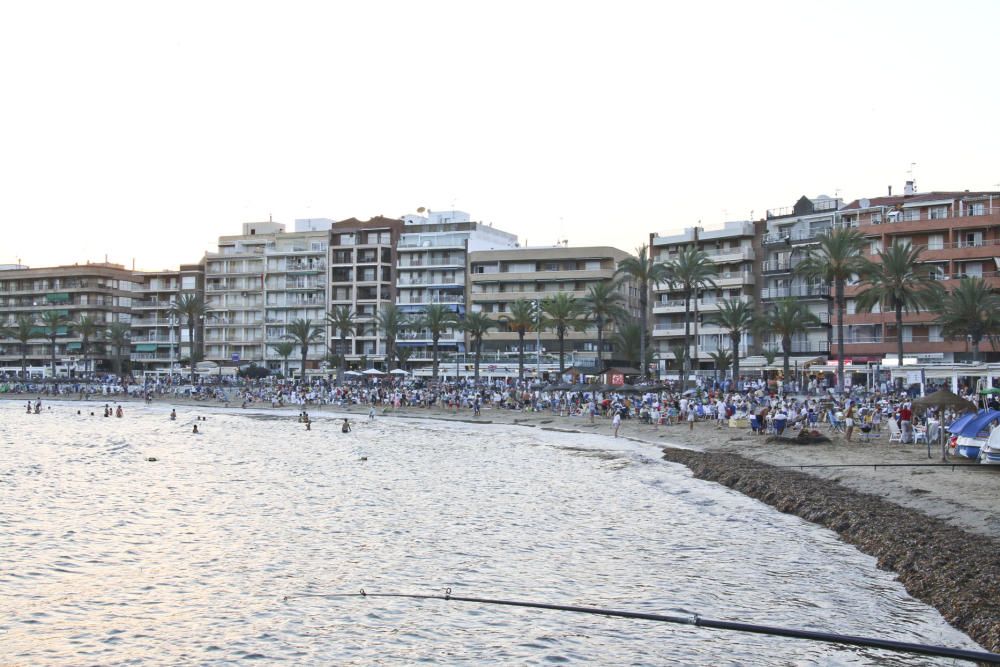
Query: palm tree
x: 118, y: 334
x: 680, y: 354
x: 627, y: 344
x: 55, y: 324
x: 722, y: 359
x: 735, y: 316
x: 284, y: 349
x: 971, y: 310
x: 477, y: 325
x: 341, y: 321
x: 646, y: 273
x: 22, y: 331
x: 391, y: 321
x: 86, y: 327
x: 303, y: 333
x: 561, y: 313
x: 521, y: 317
x: 690, y: 273
x: 836, y: 260
x: 604, y: 303
x: 403, y: 355
x: 788, y: 318
x: 897, y: 284
x: 190, y: 308
x: 436, y: 319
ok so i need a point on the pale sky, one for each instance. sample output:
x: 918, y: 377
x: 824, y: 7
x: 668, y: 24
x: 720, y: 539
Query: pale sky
x: 143, y: 130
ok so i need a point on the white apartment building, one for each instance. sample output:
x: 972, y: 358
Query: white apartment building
x: 431, y: 268
x: 791, y: 232
x: 256, y: 284
x: 732, y: 249
x: 161, y: 340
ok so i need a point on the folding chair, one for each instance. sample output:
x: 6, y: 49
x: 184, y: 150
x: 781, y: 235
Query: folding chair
x: 919, y: 433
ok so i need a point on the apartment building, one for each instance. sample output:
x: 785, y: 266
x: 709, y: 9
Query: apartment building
x: 497, y: 278
x: 960, y: 236
x: 735, y: 252
x: 431, y: 268
x: 103, y: 292
x: 362, y: 270
x: 260, y: 281
x: 789, y: 236
x: 160, y: 339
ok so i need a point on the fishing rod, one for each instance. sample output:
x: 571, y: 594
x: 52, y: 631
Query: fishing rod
x: 697, y: 621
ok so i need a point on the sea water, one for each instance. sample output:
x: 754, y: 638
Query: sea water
x: 206, y: 555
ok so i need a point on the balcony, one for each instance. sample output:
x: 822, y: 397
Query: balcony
x: 798, y: 291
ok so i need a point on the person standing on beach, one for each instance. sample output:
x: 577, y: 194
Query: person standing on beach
x: 616, y: 422
x: 691, y: 417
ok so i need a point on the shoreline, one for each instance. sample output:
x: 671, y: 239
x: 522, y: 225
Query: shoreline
x: 935, y: 528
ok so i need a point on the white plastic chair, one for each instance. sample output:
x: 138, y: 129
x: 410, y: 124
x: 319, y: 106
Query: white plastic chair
x: 919, y: 434
x: 895, y: 435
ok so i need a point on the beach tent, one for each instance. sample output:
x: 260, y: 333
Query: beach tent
x: 352, y: 373
x: 979, y: 423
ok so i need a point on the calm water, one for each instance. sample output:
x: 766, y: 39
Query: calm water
x: 106, y: 558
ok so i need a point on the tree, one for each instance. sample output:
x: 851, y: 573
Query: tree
x: 680, y: 356
x: 341, y: 321
x: 118, y: 335
x: 896, y: 283
x: 86, y: 328
x: 722, y: 359
x: 55, y: 324
x: 788, y: 318
x: 391, y: 321
x: 628, y: 345
x: 690, y: 273
x: 836, y: 260
x: 971, y: 310
x: 521, y: 318
x: 735, y: 316
x: 284, y: 349
x: 22, y: 331
x: 403, y: 355
x: 561, y: 313
x: 646, y: 273
x: 437, y: 319
x: 190, y: 308
x: 303, y: 333
x: 604, y: 303
x: 477, y: 325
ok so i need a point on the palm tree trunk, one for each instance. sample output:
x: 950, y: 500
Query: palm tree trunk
x: 685, y: 369
x: 53, y: 357
x: 643, y: 323
x: 479, y: 345
x: 390, y: 353
x: 520, y: 355
x: 191, y: 354
x: 786, y: 349
x: 841, y: 307
x: 735, y: 340
x: 975, y: 349
x: 85, y: 344
x: 24, y: 360
x: 305, y: 355
x: 342, y: 362
x: 434, y: 357
x: 600, y: 345
x: 285, y: 364
x: 562, y: 350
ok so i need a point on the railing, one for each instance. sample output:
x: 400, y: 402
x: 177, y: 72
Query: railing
x: 889, y: 219
x: 801, y: 235
x: 801, y: 290
x: 305, y: 266
x: 780, y: 265
x: 877, y: 340
x: 800, y: 346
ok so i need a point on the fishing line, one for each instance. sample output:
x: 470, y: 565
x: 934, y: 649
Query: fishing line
x: 697, y: 621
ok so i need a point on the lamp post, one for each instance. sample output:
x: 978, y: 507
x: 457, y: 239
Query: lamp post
x: 538, y: 341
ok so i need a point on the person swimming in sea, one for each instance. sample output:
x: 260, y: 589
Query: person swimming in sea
x: 173, y: 415
x: 195, y: 429
x: 119, y: 412
x: 346, y: 428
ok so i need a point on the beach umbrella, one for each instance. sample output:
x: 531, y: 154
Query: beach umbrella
x: 352, y: 373
x: 942, y: 400
x: 398, y: 371
x: 373, y: 371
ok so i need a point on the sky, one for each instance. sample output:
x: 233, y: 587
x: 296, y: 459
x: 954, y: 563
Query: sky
x: 142, y: 131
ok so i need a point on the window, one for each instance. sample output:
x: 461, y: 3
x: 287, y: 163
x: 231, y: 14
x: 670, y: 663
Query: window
x: 876, y: 218
x: 936, y: 271
x: 935, y: 242
x: 973, y: 269
x: 876, y: 246
x: 977, y: 208
x: 911, y: 214
x: 907, y: 334
x: 971, y: 240
x: 934, y: 334
x: 938, y: 212
x: 902, y: 240
x: 852, y: 306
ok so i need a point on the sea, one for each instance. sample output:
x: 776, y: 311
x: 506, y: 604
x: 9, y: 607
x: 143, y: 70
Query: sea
x: 133, y: 541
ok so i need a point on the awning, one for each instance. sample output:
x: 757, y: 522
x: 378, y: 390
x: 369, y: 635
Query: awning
x: 73, y: 346
x: 57, y: 297
x: 145, y: 347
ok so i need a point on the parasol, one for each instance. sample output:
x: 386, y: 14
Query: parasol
x: 942, y: 400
